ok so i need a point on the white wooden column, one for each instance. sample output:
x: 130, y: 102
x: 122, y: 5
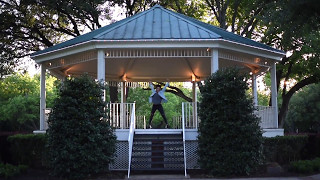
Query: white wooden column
x: 194, y: 99
x: 254, y: 89
x: 214, y: 60
x: 42, y: 96
x: 122, y: 106
x: 101, y: 69
x: 274, y: 93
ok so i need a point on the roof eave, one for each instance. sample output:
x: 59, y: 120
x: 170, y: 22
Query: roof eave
x: 159, y: 43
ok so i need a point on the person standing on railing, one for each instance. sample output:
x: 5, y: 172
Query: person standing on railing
x: 156, y: 98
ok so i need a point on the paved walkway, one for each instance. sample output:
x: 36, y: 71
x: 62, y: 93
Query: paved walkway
x: 181, y: 177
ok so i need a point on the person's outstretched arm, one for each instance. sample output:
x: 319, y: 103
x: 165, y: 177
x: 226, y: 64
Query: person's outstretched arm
x: 165, y: 87
x: 151, y: 87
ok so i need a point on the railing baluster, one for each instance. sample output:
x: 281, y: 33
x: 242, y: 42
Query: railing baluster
x: 266, y: 113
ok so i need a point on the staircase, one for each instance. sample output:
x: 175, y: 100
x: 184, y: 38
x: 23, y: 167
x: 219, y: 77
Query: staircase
x: 156, y: 152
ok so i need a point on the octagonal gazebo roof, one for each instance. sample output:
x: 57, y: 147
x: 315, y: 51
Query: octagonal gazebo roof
x: 156, y: 31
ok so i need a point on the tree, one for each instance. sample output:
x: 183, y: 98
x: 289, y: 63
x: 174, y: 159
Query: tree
x: 195, y: 8
x: 304, y: 110
x: 80, y: 142
x: 240, y: 16
x: 293, y: 26
x: 20, y: 113
x: 19, y: 101
x: 31, y: 25
x: 230, y: 138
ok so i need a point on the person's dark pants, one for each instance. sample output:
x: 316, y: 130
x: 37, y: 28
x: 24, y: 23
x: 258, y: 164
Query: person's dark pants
x: 153, y: 110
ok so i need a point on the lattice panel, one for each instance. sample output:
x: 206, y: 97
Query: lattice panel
x: 122, y: 153
x: 121, y: 160
x: 191, y: 155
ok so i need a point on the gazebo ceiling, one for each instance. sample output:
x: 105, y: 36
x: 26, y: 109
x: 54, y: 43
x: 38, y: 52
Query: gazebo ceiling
x: 156, y: 65
x: 157, y: 44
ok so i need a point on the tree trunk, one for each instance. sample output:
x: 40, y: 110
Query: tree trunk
x: 286, y: 98
x: 283, y: 110
x: 113, y: 94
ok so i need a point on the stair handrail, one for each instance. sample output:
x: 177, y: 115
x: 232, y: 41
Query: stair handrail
x: 184, y: 141
x: 131, y: 133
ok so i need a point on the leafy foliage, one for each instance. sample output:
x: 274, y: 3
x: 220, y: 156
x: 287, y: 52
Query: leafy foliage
x: 284, y: 149
x: 229, y: 135
x: 21, y: 113
x: 305, y: 166
x: 304, y: 110
x: 293, y: 27
x: 80, y: 142
x: 28, y: 149
x: 28, y: 26
x: 19, y: 101
x: 196, y: 9
x: 9, y: 170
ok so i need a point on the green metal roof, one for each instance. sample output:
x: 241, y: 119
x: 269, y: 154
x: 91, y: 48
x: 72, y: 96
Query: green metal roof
x: 158, y: 23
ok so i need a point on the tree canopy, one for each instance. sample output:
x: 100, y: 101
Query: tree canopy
x: 304, y: 110
x: 30, y: 25
x: 19, y: 101
x: 294, y: 27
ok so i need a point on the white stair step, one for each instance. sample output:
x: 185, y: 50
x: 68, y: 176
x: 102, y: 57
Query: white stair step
x: 158, y: 131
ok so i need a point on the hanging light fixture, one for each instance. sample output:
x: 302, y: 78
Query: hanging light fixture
x: 193, y: 78
x: 124, y: 77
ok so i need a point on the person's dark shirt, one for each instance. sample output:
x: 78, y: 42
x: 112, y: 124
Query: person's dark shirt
x: 156, y: 99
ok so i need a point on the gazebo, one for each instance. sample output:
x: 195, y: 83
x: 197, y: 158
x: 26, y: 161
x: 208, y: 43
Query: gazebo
x: 159, y: 45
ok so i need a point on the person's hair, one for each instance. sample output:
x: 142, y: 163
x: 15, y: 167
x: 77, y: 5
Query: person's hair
x: 158, y: 86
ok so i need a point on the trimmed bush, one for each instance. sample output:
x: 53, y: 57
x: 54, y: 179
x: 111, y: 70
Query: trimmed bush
x: 284, y: 149
x: 28, y: 149
x: 230, y: 139
x: 80, y: 142
x: 9, y: 170
x: 312, y: 148
x: 305, y: 166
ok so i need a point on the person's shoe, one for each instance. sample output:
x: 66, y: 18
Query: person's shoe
x: 167, y: 126
x: 150, y: 127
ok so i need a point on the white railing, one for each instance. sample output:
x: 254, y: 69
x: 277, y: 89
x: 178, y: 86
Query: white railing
x: 119, y: 114
x: 267, y: 115
x: 190, y: 115
x: 46, y: 117
x: 131, y: 134
x: 141, y: 122
x: 184, y: 141
x: 177, y: 122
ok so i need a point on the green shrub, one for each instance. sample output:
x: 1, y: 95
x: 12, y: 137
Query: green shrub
x: 230, y: 138
x: 80, y: 142
x: 284, y: 149
x: 8, y: 170
x: 312, y: 149
x: 28, y: 149
x: 305, y: 166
